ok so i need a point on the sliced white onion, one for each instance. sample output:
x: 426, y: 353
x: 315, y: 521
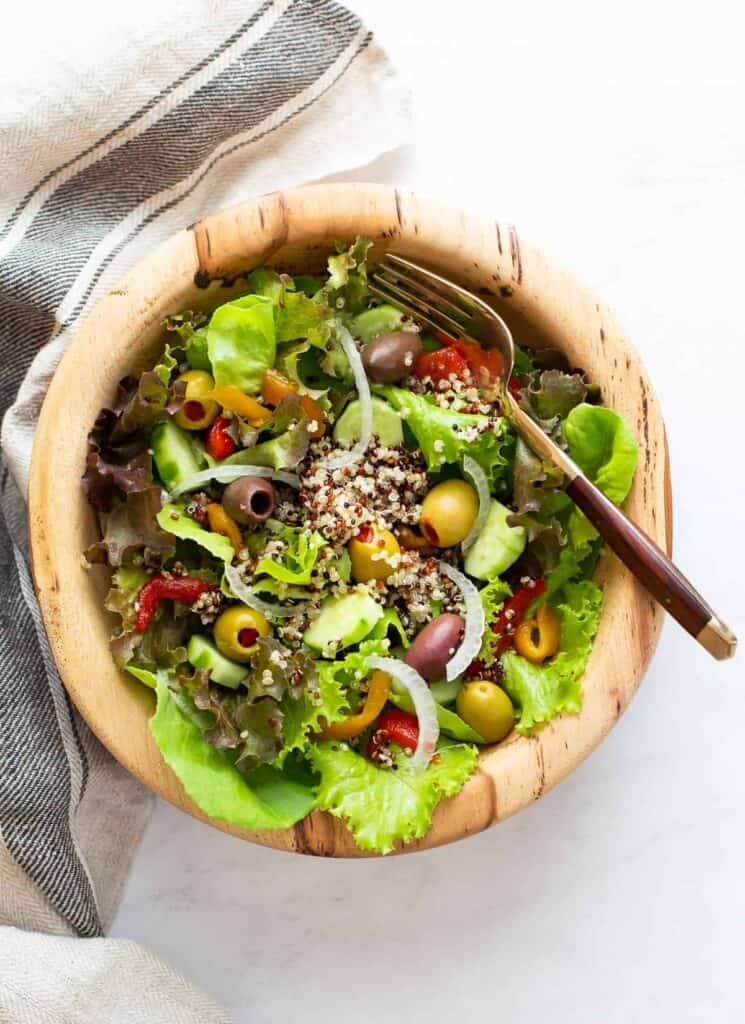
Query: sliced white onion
x: 424, y: 705
x: 244, y: 593
x: 225, y: 474
x: 475, y: 623
x: 478, y: 478
x: 350, y: 456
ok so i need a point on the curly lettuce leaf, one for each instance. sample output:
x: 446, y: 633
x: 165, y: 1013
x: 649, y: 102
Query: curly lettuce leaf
x: 262, y: 799
x: 304, y: 716
x: 296, y: 315
x: 119, y: 461
x: 493, y: 596
x: 173, y: 519
x: 297, y: 560
x: 132, y: 526
x: 346, y: 288
x: 445, y: 436
x: 301, y: 363
x: 242, y: 342
x: 251, y: 720
x: 551, y: 395
x: 353, y: 668
x: 162, y: 645
x: 540, y: 692
x: 197, y: 351
x: 190, y: 327
x: 381, y: 806
x: 148, y: 400
x: 121, y: 599
x: 279, y: 701
x: 113, y: 469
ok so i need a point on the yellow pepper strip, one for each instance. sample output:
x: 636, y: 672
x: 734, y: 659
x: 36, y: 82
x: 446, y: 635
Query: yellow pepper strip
x: 231, y: 397
x: 539, y: 638
x: 377, y: 694
x: 220, y: 522
x: 275, y: 386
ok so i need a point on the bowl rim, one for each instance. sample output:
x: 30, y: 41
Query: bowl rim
x: 295, y: 225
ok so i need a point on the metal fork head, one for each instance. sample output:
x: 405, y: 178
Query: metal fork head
x: 443, y: 306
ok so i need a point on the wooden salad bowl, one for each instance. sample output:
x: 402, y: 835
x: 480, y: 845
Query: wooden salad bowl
x: 294, y: 230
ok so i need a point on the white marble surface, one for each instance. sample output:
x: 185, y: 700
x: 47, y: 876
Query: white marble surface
x: 613, y: 136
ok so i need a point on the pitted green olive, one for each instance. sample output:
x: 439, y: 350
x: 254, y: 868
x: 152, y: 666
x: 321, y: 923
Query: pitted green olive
x: 237, y: 630
x: 486, y: 708
x: 448, y: 513
x: 198, y: 411
x: 373, y: 554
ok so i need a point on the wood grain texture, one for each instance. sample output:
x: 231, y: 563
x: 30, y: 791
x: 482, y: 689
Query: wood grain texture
x: 201, y: 267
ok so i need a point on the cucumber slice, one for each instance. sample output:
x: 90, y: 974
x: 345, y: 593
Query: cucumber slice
x: 174, y: 453
x: 378, y: 320
x: 202, y: 653
x: 386, y: 424
x: 496, y: 547
x: 341, y: 622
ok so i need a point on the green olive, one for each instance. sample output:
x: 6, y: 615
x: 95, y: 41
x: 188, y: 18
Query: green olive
x: 238, y: 629
x: 198, y: 411
x: 448, y: 513
x: 372, y: 553
x: 486, y: 708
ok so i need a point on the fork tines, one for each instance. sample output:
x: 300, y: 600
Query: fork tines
x: 441, y: 304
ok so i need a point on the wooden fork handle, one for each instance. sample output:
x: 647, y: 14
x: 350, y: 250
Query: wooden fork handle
x: 651, y: 566
x: 654, y: 570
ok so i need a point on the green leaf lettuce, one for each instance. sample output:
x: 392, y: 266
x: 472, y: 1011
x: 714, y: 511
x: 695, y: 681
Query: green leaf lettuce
x: 382, y: 806
x: 262, y: 799
x: 173, y: 519
x: 445, y: 436
x: 242, y: 342
x: 540, y: 692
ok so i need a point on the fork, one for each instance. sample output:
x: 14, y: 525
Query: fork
x: 457, y: 313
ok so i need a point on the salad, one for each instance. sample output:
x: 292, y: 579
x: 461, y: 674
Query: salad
x: 333, y: 561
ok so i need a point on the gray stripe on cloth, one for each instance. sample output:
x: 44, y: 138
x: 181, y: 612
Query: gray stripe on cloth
x: 38, y: 741
x: 43, y: 763
x: 101, y: 268
x: 140, y: 112
x: 297, y: 50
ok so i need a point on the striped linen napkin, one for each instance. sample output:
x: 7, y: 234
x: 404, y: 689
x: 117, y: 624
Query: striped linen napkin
x: 129, y: 133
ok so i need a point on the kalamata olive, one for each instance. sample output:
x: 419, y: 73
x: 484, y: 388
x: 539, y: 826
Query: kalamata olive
x: 249, y: 500
x: 391, y: 357
x: 435, y: 645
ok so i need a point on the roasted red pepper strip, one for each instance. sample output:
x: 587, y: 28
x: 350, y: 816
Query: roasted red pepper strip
x: 394, y: 726
x: 513, y: 612
x: 457, y: 357
x: 439, y: 365
x: 172, y: 588
x: 219, y: 443
x: 485, y: 365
